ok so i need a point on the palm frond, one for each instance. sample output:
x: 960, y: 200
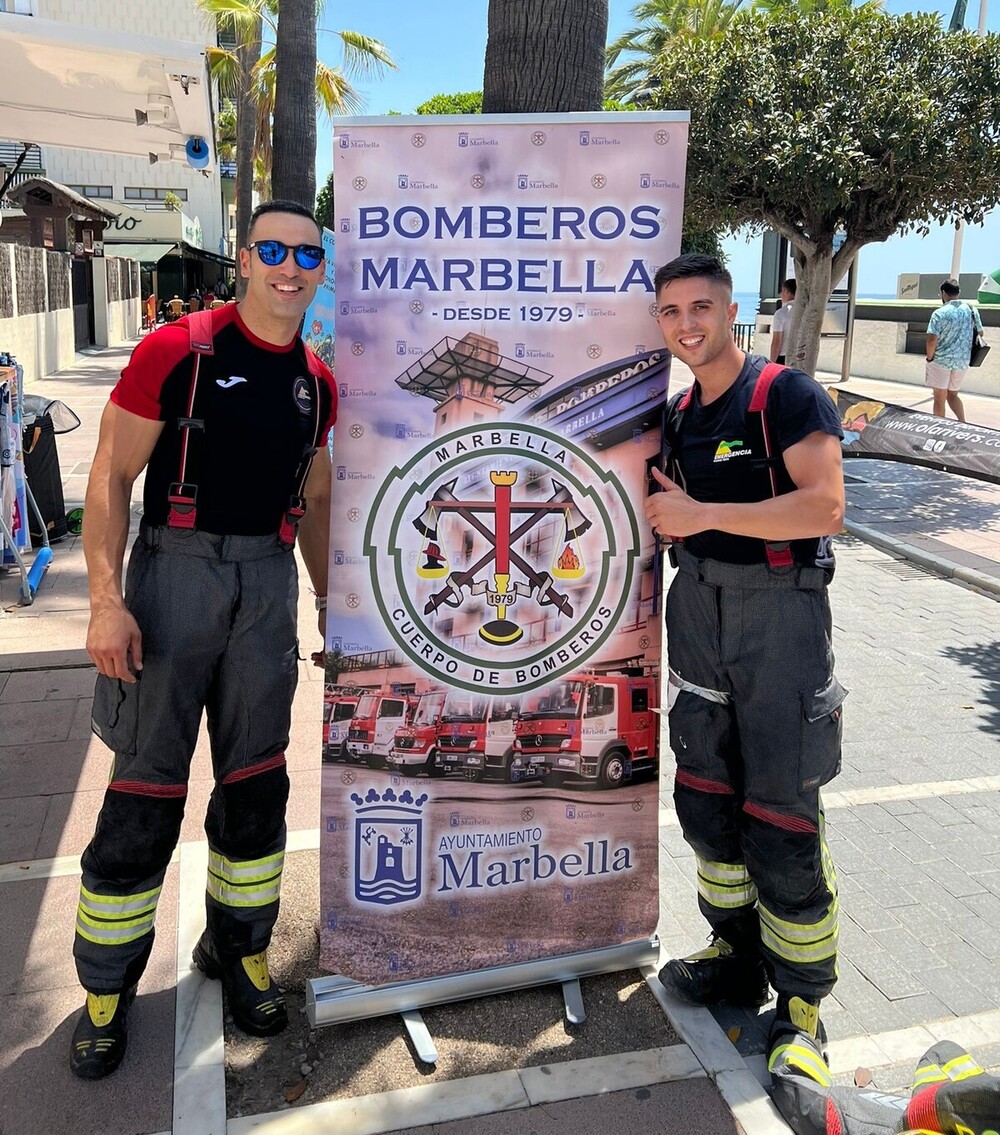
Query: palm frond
x: 334, y: 93
x: 364, y: 55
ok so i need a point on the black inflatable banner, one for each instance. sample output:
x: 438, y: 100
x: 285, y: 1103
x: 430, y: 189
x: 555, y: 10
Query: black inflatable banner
x: 880, y: 429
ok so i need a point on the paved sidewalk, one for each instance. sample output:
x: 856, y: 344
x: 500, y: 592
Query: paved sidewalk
x: 914, y: 822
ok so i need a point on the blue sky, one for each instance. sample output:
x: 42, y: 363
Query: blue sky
x: 439, y: 46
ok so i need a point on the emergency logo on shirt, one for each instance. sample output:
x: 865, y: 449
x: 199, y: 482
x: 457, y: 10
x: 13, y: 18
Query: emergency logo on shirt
x: 729, y: 449
x: 303, y: 395
x: 502, y: 556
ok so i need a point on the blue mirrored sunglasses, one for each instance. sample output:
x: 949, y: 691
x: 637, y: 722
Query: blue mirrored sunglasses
x: 272, y: 252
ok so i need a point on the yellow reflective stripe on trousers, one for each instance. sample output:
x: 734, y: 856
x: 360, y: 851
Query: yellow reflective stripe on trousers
x: 115, y: 932
x: 807, y: 1062
x: 963, y: 1068
x: 245, y: 882
x: 726, y: 886
x: 240, y: 871
x: 798, y: 942
x: 117, y: 906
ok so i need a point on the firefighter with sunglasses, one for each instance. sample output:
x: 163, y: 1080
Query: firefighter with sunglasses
x: 228, y: 413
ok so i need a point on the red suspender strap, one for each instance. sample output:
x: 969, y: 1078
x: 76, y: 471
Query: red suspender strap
x: 183, y: 495
x: 779, y: 554
x: 288, y: 529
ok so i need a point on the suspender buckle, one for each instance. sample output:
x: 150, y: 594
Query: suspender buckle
x: 779, y: 555
x: 182, y: 498
x: 290, y: 521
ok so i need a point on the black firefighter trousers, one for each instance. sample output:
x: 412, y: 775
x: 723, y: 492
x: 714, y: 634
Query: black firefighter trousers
x: 755, y: 728
x: 217, y: 615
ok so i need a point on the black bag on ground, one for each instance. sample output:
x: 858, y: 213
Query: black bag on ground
x: 41, y: 468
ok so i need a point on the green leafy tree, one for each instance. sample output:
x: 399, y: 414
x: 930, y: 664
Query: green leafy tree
x: 545, y: 56
x: 470, y: 102
x: 324, y: 203
x: 850, y: 120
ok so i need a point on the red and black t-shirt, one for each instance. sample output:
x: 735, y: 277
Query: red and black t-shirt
x: 256, y: 401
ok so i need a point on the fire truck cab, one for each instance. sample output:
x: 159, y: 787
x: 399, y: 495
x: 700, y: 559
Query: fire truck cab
x: 462, y: 730
x: 378, y: 715
x: 491, y: 749
x: 339, y: 704
x: 595, y: 726
x: 414, y: 746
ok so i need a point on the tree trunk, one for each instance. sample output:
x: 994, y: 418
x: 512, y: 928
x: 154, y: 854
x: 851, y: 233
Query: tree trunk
x: 544, y: 56
x: 246, y: 123
x: 813, y: 280
x: 293, y: 167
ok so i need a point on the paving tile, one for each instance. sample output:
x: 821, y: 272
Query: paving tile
x: 48, y: 685
x: 32, y: 723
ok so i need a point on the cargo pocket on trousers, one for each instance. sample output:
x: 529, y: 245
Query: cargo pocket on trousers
x: 115, y: 716
x: 822, y: 730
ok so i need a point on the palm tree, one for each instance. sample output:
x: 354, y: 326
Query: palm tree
x: 545, y: 55
x: 246, y: 73
x: 661, y: 22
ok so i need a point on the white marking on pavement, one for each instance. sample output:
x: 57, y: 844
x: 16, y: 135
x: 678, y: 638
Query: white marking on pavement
x: 199, y: 1052
x: 478, y: 1095
x: 750, y: 1104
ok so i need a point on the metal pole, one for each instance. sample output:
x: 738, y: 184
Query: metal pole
x: 852, y: 301
x: 983, y: 4
x: 956, y: 251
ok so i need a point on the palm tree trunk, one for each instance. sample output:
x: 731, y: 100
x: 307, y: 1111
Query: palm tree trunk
x: 544, y: 56
x: 248, y: 53
x: 293, y: 169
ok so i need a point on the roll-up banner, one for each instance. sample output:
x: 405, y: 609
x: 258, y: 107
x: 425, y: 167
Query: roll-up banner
x: 896, y: 433
x: 493, y: 646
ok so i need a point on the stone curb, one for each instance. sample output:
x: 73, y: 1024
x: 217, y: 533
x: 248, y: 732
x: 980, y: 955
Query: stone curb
x: 938, y: 564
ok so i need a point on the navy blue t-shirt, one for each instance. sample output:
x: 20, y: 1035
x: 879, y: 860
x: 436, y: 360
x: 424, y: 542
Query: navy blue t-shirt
x: 719, y: 456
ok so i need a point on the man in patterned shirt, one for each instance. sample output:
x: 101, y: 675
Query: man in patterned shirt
x: 949, y: 346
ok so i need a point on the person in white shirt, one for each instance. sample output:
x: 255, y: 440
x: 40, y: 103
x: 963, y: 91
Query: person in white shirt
x: 781, y: 323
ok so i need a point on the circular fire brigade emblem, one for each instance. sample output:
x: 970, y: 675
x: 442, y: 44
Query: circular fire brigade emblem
x: 644, y: 642
x: 352, y: 600
x: 661, y: 137
x: 302, y: 394
x: 418, y: 139
x: 599, y: 181
x: 594, y: 351
x: 637, y: 804
x: 538, y: 138
x: 357, y: 348
x: 477, y: 181
x: 527, y: 814
x: 526, y: 552
x: 354, y: 515
x: 360, y: 183
x: 357, y: 430
x: 416, y: 306
x: 654, y: 310
x: 348, y: 776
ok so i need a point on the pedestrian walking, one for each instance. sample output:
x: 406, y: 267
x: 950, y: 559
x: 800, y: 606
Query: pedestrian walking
x: 226, y: 411
x: 950, y: 335
x: 752, y: 493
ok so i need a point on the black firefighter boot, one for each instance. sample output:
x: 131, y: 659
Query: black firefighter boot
x: 720, y: 973
x: 253, y: 998
x: 101, y: 1034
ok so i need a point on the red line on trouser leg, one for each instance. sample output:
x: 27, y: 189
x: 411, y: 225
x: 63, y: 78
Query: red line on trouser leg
x: 700, y: 784
x: 779, y: 820
x: 833, y: 1124
x: 922, y: 1111
x: 255, y: 770
x: 137, y: 788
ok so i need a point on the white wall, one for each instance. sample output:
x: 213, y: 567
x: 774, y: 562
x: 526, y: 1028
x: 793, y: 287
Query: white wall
x: 878, y: 353
x: 43, y: 342
x: 114, y: 322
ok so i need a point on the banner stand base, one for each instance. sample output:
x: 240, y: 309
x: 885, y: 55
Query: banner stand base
x: 335, y: 1000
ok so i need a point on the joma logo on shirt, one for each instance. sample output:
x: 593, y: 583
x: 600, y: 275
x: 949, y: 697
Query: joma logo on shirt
x: 729, y: 449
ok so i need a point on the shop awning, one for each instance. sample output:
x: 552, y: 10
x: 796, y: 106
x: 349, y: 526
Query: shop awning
x: 144, y: 253
x: 204, y: 254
